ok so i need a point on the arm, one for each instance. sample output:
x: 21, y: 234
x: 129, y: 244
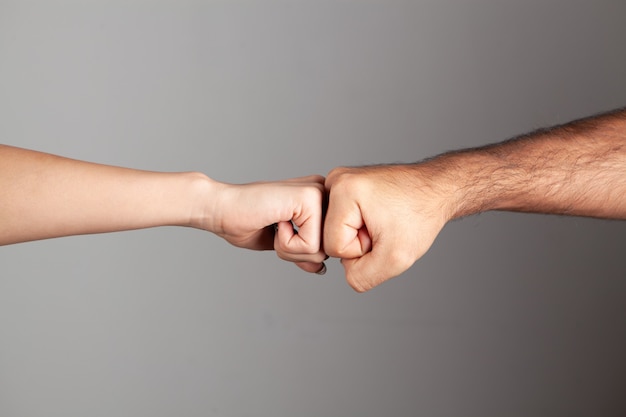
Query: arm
x: 382, y: 219
x: 575, y: 169
x: 44, y: 196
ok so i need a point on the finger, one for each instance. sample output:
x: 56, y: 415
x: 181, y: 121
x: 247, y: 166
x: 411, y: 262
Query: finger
x: 306, y: 257
x: 364, y: 239
x: 318, y: 268
x: 307, y: 240
x: 286, y: 250
x: 362, y: 274
x: 333, y: 175
x: 372, y: 269
x: 317, y: 179
x: 345, y: 232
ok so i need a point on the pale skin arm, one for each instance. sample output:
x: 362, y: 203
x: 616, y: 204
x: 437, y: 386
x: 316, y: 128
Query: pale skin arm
x: 44, y: 196
x: 381, y: 219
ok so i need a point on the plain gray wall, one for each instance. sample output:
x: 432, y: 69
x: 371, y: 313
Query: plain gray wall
x: 507, y: 315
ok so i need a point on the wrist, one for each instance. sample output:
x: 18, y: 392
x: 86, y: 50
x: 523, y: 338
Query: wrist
x: 203, y: 199
x: 466, y: 181
x: 430, y: 188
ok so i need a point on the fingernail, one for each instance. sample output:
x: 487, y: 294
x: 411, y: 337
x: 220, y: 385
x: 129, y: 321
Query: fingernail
x: 322, y: 270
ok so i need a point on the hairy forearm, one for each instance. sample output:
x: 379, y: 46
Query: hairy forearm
x: 576, y: 169
x: 44, y: 196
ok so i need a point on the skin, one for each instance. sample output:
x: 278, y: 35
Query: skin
x: 381, y: 219
x: 44, y: 196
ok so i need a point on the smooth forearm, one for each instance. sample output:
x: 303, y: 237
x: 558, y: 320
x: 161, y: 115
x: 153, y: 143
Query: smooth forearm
x: 44, y: 196
x: 575, y: 169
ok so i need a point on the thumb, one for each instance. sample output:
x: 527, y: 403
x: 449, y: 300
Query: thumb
x: 345, y: 232
x: 375, y: 267
x: 364, y: 273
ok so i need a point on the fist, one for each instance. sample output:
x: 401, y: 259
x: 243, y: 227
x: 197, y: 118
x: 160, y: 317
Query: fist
x: 380, y: 220
x: 284, y: 215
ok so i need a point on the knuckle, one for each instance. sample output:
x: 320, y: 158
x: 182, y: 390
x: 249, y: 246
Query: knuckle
x: 283, y: 256
x: 351, y: 184
x: 336, y: 175
x: 281, y: 246
x: 341, y: 252
x: 310, y: 249
x: 318, y: 179
x: 317, y: 258
x: 313, y: 193
x: 331, y: 248
x: 337, y: 171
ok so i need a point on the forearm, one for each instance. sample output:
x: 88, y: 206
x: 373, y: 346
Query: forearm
x: 575, y: 169
x: 44, y: 196
x: 382, y: 218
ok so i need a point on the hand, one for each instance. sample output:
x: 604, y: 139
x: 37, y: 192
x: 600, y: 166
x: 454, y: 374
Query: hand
x: 380, y: 220
x: 262, y: 216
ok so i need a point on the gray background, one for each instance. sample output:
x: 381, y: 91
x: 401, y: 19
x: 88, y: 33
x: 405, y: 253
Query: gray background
x: 508, y: 314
